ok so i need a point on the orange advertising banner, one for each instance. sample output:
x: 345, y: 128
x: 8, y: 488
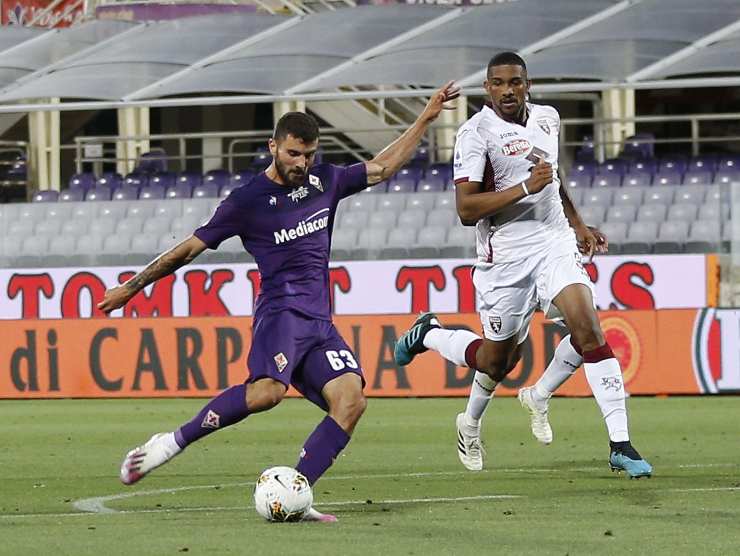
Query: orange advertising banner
x: 683, y: 351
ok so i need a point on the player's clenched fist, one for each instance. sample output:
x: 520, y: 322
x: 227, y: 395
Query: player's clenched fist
x: 540, y: 176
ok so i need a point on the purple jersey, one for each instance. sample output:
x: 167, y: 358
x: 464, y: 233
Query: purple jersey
x: 288, y: 231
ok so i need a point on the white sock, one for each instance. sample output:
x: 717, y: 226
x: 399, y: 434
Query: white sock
x: 481, y: 393
x: 564, y: 364
x: 450, y: 344
x: 605, y: 380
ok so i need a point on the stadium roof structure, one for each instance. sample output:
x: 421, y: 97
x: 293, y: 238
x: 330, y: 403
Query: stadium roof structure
x: 50, y: 47
x: 376, y: 52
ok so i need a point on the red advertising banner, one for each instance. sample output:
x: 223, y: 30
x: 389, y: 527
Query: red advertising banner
x: 661, y: 352
x: 357, y: 287
x: 22, y: 12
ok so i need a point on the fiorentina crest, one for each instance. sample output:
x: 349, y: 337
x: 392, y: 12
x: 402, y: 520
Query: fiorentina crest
x: 281, y: 361
x: 212, y: 420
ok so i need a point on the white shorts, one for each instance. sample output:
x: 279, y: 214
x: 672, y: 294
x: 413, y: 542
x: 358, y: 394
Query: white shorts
x: 509, y: 293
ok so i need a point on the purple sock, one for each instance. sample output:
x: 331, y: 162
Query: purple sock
x: 227, y: 408
x: 321, y: 448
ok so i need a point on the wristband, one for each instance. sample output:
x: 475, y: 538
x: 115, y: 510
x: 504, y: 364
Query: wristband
x: 524, y: 187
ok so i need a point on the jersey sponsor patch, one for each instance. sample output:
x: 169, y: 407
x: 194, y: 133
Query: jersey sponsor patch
x: 281, y: 361
x: 516, y: 147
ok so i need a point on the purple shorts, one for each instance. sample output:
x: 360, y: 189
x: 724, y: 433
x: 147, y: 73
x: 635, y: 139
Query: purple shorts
x: 294, y: 349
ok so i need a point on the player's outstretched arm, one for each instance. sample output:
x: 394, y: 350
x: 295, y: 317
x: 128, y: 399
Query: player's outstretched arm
x: 168, y: 262
x: 390, y: 160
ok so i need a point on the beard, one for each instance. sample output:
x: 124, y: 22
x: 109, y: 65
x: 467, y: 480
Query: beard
x: 288, y: 177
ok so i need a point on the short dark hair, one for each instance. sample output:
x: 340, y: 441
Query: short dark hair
x: 298, y: 124
x: 506, y: 59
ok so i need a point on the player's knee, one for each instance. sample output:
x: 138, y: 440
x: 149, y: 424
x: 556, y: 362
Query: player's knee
x: 264, y: 394
x: 588, y: 336
x: 351, y: 407
x: 495, y: 364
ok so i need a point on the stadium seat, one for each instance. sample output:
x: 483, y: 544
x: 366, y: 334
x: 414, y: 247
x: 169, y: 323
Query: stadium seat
x: 602, y: 197
x: 673, y: 163
x: 584, y: 167
x: 613, y: 179
x: 144, y: 244
x: 115, y: 211
x: 226, y: 190
x: 117, y: 244
x: 89, y: 244
x: 412, y: 219
x: 199, y: 208
x: 114, y: 179
x: 35, y: 246
x: 630, y: 195
x: 84, y: 211
x: 193, y: 179
x: 76, y: 227
x: 442, y: 218
x: 261, y: 161
x: 579, y: 180
x: 208, y: 190
x: 697, y: 177
x: 157, y: 225
x: 639, y: 146
x: 98, y: 194
x: 640, y: 237
x: 704, y: 162
x: 729, y: 162
x: 616, y: 233
x: 651, y: 213
x: 382, y: 219
x: 49, y: 227
x: 413, y: 172
x: 342, y: 242
x: 395, y: 202
x: 32, y: 212
x: 165, y: 179
x: 442, y: 169
x: 613, y: 166
x: 369, y: 243
x: 130, y: 225
x: 111, y: 181
x: 704, y: 236
x: 152, y: 162
x: 593, y: 215
x: 667, y: 176
x: 181, y: 191
x: 46, y: 196
x: 671, y: 237
x: 431, y: 183
x: 240, y: 178
x: 713, y: 194
x: 152, y: 193
x: 683, y: 212
x: 647, y: 166
x: 58, y: 211
x: 727, y: 175
x: 185, y: 225
x: 405, y: 184
x: 422, y: 201
x: 397, y: 244
x: 445, y: 200
x: 101, y: 227
x: 168, y: 208
x: 219, y: 177
x: 693, y: 194
x: 141, y: 209
x: 460, y: 243
x: 72, y: 195
x: 637, y: 179
x: 713, y: 211
x: 85, y: 180
x: 136, y: 180
x: 586, y: 151
x: 356, y: 219
x: 428, y: 242
x: 166, y: 241
x: 663, y: 195
x: 364, y: 203
x: 126, y: 193
x: 63, y: 245
x: 621, y: 213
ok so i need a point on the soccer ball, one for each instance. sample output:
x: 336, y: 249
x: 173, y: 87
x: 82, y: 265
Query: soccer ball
x: 282, y: 494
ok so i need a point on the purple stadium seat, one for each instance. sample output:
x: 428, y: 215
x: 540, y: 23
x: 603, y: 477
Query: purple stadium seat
x: 153, y: 192
x: 193, y: 179
x: 105, y: 181
x: 443, y: 169
x: 432, y: 183
x: 403, y: 184
x: 579, y: 180
x: 152, y: 162
x: 586, y: 152
x: 46, y: 196
x: 732, y: 161
x: 727, y: 175
x: 421, y: 156
x: 226, y: 190
x: 639, y: 146
x: 72, y: 195
x: 667, y: 177
x: 381, y: 187
x: 613, y: 166
x: 99, y: 194
x: 86, y: 180
x: 607, y: 180
x: 179, y: 191
x: 126, y: 193
x: 219, y: 177
x: 18, y: 170
x: 675, y: 163
x: 697, y: 177
x: 240, y: 178
x: 704, y: 162
x: 588, y: 167
x: 638, y: 178
x: 165, y: 179
x: 649, y: 165
x: 262, y: 160
x: 412, y: 172
x: 136, y: 180
x: 205, y: 190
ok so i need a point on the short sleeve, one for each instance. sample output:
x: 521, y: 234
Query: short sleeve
x: 225, y: 223
x: 351, y: 179
x: 470, y: 156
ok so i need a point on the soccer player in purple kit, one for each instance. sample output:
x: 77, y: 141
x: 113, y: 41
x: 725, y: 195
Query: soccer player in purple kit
x: 284, y: 217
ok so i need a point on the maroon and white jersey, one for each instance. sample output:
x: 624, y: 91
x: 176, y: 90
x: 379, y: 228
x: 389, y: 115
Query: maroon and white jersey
x: 510, y: 150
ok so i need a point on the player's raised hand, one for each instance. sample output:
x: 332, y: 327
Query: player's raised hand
x: 115, y: 298
x: 449, y: 91
x: 540, y: 176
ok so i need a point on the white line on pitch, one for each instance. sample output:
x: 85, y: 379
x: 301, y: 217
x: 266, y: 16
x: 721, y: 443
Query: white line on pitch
x: 244, y: 508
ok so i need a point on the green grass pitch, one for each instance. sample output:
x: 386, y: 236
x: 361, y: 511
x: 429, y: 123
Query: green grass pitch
x: 397, y: 489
